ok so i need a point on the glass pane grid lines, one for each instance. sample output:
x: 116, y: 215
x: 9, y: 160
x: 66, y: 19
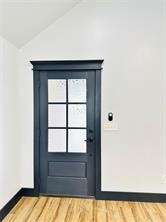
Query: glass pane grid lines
x: 67, y: 117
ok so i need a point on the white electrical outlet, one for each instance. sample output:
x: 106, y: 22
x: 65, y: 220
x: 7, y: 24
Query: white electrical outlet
x: 164, y: 179
x: 111, y: 126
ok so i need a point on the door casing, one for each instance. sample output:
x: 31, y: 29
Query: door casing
x: 68, y: 65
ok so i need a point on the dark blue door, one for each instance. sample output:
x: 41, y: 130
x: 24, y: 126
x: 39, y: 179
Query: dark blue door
x: 67, y: 143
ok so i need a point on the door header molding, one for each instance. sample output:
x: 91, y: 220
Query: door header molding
x: 67, y: 65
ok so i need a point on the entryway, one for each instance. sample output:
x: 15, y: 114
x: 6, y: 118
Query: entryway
x: 67, y: 127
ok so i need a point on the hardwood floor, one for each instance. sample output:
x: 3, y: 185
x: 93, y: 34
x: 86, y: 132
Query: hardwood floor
x: 50, y: 209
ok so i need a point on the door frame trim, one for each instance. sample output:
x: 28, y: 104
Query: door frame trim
x: 68, y: 65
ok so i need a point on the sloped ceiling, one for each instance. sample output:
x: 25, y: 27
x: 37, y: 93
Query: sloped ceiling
x: 21, y: 20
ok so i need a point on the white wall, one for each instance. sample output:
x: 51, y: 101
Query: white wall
x: 129, y: 36
x: 10, y: 182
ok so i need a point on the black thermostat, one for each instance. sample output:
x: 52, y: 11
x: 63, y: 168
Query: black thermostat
x: 110, y: 116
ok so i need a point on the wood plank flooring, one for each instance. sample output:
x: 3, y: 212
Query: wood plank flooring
x: 56, y: 209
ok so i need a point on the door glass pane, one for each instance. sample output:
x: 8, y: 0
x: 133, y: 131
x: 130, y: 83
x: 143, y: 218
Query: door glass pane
x: 56, y: 140
x: 77, y: 143
x: 77, y: 115
x: 56, y: 115
x: 56, y: 90
x: 77, y: 90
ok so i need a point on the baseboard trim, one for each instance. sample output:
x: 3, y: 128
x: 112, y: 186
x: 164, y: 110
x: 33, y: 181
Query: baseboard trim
x: 132, y: 196
x: 31, y: 192
x: 7, y: 208
x: 22, y: 192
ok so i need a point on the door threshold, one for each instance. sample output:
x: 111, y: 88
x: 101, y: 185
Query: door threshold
x: 67, y: 196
